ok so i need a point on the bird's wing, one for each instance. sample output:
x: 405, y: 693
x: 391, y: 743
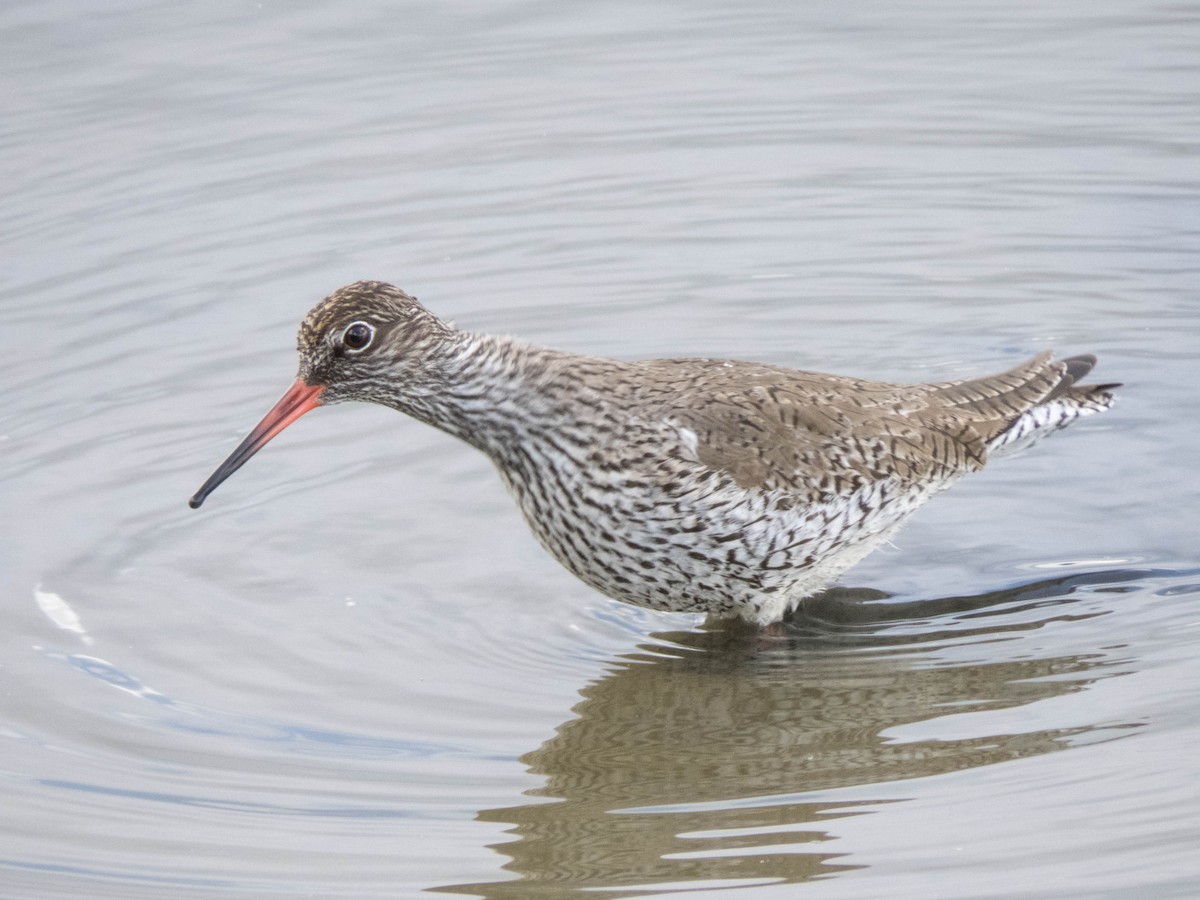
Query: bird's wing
x: 815, y: 435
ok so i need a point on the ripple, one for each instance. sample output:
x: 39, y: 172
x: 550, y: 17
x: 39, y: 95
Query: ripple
x: 355, y: 674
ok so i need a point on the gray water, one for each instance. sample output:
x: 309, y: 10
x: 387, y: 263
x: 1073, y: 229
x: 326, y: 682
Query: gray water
x: 354, y: 674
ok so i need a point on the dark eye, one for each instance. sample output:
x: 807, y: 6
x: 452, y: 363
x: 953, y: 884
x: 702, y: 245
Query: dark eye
x: 357, y: 336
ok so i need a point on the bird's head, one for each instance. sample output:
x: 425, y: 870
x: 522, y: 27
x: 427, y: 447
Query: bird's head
x: 366, y: 341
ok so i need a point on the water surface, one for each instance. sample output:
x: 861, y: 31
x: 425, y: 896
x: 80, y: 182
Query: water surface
x: 354, y: 674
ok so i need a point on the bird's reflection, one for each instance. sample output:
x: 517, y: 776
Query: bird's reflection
x: 701, y: 759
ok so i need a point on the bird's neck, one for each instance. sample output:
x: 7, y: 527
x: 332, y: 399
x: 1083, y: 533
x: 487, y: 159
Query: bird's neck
x: 497, y: 392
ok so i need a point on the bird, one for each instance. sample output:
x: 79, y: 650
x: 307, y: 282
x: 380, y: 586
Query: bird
x: 731, y: 488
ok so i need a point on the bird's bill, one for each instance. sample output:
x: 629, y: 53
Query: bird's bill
x: 298, y: 400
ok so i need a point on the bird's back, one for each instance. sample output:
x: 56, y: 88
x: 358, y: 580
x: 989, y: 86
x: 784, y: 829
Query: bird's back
x: 816, y: 435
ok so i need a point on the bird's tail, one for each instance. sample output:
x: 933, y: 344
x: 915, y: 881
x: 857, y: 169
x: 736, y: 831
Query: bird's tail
x: 1065, y: 402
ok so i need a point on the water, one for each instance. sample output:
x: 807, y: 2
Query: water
x: 354, y: 674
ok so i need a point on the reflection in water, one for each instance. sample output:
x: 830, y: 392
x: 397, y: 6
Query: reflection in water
x: 695, y: 762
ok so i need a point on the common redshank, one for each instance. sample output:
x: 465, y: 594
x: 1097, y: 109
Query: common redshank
x: 693, y: 485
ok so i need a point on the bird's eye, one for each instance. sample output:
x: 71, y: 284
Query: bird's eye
x: 357, y: 336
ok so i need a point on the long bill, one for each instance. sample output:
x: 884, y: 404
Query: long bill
x: 298, y: 400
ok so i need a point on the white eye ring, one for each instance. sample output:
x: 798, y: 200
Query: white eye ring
x: 358, y: 336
